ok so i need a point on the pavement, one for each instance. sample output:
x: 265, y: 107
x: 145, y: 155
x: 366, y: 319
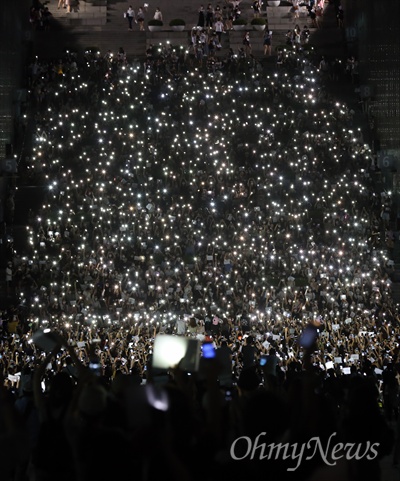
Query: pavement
x: 101, y: 24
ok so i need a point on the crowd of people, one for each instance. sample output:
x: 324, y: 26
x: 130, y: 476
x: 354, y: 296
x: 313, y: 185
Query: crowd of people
x: 230, y: 205
x: 40, y: 16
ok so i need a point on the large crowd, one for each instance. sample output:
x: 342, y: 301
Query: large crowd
x: 228, y: 204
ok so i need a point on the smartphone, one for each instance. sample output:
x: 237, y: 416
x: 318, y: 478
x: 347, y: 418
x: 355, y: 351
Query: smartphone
x: 208, y: 350
x: 95, y: 367
x: 171, y: 350
x: 263, y: 360
x: 94, y: 361
x: 308, y: 336
x: 168, y: 350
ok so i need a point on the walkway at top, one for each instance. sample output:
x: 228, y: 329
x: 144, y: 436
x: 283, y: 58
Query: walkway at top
x: 101, y: 24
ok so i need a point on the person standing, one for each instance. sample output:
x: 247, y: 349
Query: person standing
x: 229, y: 20
x: 130, y: 15
x: 202, y: 17
x: 296, y: 8
x: 280, y: 58
x: 225, y: 16
x: 140, y: 18
x: 236, y: 13
x: 235, y: 3
x: 217, y: 13
x: 340, y: 16
x: 46, y: 17
x: 270, y: 369
x: 390, y: 390
x: 246, y: 43
x: 181, y: 326
x: 305, y: 35
x: 318, y: 16
x: 9, y: 278
x: 158, y: 15
x: 267, y: 42
x: 219, y: 28
x: 224, y: 356
x: 297, y: 36
x: 256, y: 8
x: 324, y: 67
x: 249, y: 352
x: 313, y: 17
x: 209, y: 15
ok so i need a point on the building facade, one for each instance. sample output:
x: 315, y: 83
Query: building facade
x: 14, y: 47
x: 372, y: 33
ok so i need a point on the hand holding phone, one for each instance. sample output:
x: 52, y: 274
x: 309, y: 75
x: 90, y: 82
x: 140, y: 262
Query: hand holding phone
x: 208, y: 350
x: 263, y: 360
x: 308, y: 336
x: 170, y: 351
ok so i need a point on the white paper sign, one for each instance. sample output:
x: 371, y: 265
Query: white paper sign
x: 266, y: 344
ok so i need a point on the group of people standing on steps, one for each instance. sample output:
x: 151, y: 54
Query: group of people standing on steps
x: 137, y: 18
x: 207, y: 17
x: 221, y: 19
x: 267, y: 43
